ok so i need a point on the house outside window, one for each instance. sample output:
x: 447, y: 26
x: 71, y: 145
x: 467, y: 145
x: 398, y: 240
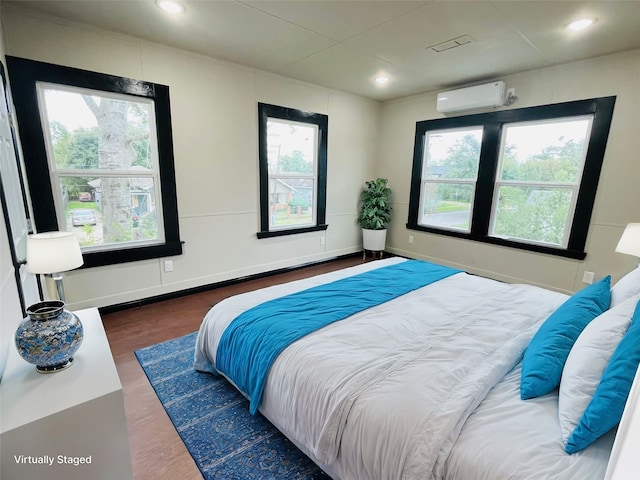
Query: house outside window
x: 522, y: 178
x: 293, y: 165
x: 99, y: 160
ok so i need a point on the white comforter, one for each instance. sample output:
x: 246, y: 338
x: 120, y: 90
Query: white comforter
x: 385, y: 393
x: 506, y: 438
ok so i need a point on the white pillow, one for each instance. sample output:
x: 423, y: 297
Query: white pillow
x: 588, y: 360
x: 626, y: 287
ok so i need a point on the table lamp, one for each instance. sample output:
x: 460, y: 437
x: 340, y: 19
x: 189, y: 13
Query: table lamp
x: 630, y: 241
x: 52, y: 253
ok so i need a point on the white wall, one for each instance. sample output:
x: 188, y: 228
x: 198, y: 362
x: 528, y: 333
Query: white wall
x: 214, y: 117
x: 618, y: 197
x: 215, y: 141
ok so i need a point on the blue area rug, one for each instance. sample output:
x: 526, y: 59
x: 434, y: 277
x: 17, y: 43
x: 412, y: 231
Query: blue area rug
x: 213, y: 420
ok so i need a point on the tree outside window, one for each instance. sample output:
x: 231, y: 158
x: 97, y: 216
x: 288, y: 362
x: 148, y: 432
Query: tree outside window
x: 102, y: 161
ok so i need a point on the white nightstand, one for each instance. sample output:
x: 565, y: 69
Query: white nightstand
x: 65, y: 418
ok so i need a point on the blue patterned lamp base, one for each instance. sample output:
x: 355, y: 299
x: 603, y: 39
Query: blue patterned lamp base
x: 49, y: 336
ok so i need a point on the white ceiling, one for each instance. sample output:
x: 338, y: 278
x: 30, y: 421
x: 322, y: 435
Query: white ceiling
x: 346, y: 44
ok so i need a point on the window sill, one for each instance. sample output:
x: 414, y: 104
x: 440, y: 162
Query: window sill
x: 111, y: 257
x: 560, y: 252
x: 292, y: 231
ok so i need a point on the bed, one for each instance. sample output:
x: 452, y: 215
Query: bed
x: 422, y: 386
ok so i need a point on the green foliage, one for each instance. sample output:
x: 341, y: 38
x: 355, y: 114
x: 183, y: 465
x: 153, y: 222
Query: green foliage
x: 298, y: 202
x: 552, y: 164
x: 294, y: 163
x: 461, y: 163
x: 462, y: 158
x: 121, y: 232
x: 537, y: 213
x: 533, y: 213
x: 83, y: 148
x: 138, y: 131
x: 74, y: 204
x: 375, y: 206
x: 148, y: 226
x: 58, y: 131
x: 143, y: 154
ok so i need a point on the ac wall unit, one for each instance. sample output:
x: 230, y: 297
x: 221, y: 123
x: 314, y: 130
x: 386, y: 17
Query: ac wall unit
x: 471, y: 98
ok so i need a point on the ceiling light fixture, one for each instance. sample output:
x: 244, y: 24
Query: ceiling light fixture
x: 170, y: 6
x: 381, y: 80
x: 581, y: 24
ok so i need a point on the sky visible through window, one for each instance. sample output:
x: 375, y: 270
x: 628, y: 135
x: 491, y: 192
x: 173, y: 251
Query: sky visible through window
x: 529, y: 138
x: 69, y: 109
x: 285, y: 138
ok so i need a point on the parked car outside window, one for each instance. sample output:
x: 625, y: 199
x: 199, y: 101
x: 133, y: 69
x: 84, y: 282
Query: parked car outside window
x: 83, y: 216
x: 84, y: 197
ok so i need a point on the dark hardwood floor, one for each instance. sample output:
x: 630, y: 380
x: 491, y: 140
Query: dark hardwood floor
x: 157, y: 452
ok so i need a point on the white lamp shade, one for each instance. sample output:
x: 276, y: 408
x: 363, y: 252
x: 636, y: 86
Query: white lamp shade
x: 53, y: 252
x: 630, y: 241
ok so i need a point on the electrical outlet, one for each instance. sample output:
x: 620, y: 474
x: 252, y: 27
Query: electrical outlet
x: 168, y: 265
x: 587, y: 277
x: 322, y: 241
x: 410, y: 239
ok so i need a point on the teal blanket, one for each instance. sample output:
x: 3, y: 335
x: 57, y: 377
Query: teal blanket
x: 253, y: 340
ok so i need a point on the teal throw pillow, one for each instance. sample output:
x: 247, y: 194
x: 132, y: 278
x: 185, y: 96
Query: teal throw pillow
x: 549, y: 348
x: 605, y: 409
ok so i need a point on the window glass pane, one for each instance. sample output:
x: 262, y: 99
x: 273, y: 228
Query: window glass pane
x: 291, y: 202
x: 109, y: 210
x: 103, y: 132
x: 447, y: 205
x: 549, y: 151
x: 534, y: 214
x: 123, y: 136
x: 452, y: 154
x: 291, y: 147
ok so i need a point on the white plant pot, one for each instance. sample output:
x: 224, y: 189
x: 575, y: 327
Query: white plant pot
x: 374, y: 240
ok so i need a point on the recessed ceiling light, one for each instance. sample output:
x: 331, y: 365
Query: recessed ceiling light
x: 170, y: 6
x: 581, y: 24
x: 381, y: 80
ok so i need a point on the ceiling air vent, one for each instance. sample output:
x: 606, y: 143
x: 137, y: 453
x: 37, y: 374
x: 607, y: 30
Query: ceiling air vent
x: 449, y: 44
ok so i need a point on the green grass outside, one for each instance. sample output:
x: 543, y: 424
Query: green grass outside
x: 451, y: 207
x: 281, y: 219
x: 75, y: 204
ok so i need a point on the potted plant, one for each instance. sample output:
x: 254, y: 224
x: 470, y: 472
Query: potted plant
x: 375, y: 213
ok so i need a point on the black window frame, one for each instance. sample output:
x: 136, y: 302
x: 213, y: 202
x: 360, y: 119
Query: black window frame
x: 265, y: 111
x: 24, y: 74
x: 492, y: 122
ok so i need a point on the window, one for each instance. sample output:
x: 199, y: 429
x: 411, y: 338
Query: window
x: 451, y: 159
x: 523, y: 178
x: 99, y: 160
x: 293, y: 170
